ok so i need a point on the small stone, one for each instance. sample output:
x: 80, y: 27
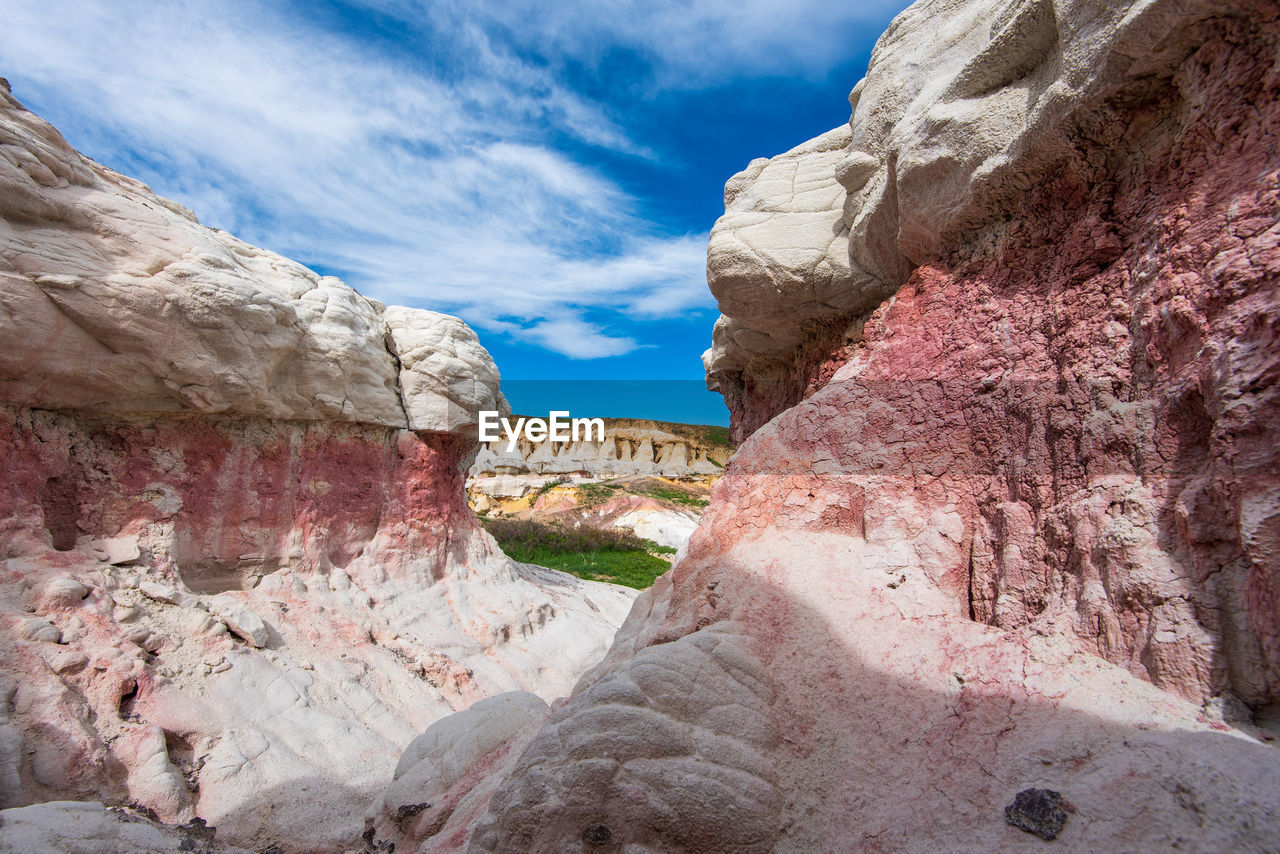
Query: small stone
x: 138, y: 635
x: 241, y: 620
x: 126, y: 613
x: 165, y: 593
x: 70, y: 661
x: 1039, y: 811
x: 118, y: 551
x: 39, y: 630
x: 62, y: 593
x: 597, y: 835
x: 197, y: 622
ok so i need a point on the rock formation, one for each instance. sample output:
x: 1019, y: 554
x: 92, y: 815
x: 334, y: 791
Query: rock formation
x: 78, y: 827
x: 239, y: 571
x: 640, y: 460
x: 630, y: 448
x: 1001, y: 554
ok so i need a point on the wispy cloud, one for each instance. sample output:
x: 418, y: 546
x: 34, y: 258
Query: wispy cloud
x: 682, y: 43
x: 420, y: 189
x: 577, y: 338
x: 430, y: 169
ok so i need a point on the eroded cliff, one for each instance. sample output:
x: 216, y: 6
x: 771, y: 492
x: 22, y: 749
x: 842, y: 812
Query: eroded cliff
x: 1000, y: 554
x: 239, y: 571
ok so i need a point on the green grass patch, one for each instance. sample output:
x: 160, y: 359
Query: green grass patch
x: 591, y: 494
x: 716, y: 435
x: 548, y: 486
x: 676, y: 496
x: 615, y: 556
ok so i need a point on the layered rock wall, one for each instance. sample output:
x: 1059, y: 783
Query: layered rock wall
x: 628, y: 448
x: 1004, y: 529
x: 1088, y: 368
x: 239, y: 571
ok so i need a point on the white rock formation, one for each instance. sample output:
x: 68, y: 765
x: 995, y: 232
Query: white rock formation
x: 962, y: 104
x: 239, y: 574
x: 779, y: 257
x: 627, y: 450
x: 664, y: 526
x: 446, y: 377
x: 75, y: 827
x: 115, y: 300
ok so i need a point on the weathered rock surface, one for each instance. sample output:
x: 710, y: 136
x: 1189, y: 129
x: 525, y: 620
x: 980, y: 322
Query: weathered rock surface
x: 669, y: 753
x: 116, y: 300
x: 640, y: 461
x: 76, y: 827
x: 966, y: 105
x: 1015, y: 527
x: 446, y: 776
x: 779, y: 266
x: 239, y: 574
x: 1087, y: 347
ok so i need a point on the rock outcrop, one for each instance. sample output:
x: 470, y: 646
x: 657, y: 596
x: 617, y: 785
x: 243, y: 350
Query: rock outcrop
x: 239, y: 571
x: 78, y: 827
x: 1082, y: 332
x: 999, y: 557
x: 118, y: 301
x: 629, y: 448
x: 645, y: 464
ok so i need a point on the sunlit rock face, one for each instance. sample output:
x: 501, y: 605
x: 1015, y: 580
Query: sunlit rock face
x: 115, y: 300
x: 965, y: 107
x: 1007, y: 520
x: 240, y: 575
x: 1082, y: 321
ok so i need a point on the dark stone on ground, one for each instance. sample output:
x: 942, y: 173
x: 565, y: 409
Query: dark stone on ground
x: 1039, y: 811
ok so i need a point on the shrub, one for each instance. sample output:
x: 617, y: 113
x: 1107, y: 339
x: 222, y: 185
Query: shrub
x: 597, y: 554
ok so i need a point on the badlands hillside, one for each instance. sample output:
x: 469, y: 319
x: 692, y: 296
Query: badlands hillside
x: 240, y: 574
x: 995, y: 567
x: 652, y: 478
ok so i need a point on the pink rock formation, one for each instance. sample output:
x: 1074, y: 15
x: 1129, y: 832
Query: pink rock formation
x: 1002, y: 561
x: 237, y: 498
x: 239, y: 573
x: 1093, y: 382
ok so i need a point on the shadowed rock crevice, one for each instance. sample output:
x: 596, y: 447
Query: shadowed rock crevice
x: 60, y: 503
x: 883, y: 700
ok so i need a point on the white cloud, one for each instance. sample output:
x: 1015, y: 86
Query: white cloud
x: 443, y: 187
x: 686, y: 43
x: 577, y: 339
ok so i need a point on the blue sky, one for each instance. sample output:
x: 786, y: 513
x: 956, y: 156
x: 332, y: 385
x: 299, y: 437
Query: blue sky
x: 547, y: 171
